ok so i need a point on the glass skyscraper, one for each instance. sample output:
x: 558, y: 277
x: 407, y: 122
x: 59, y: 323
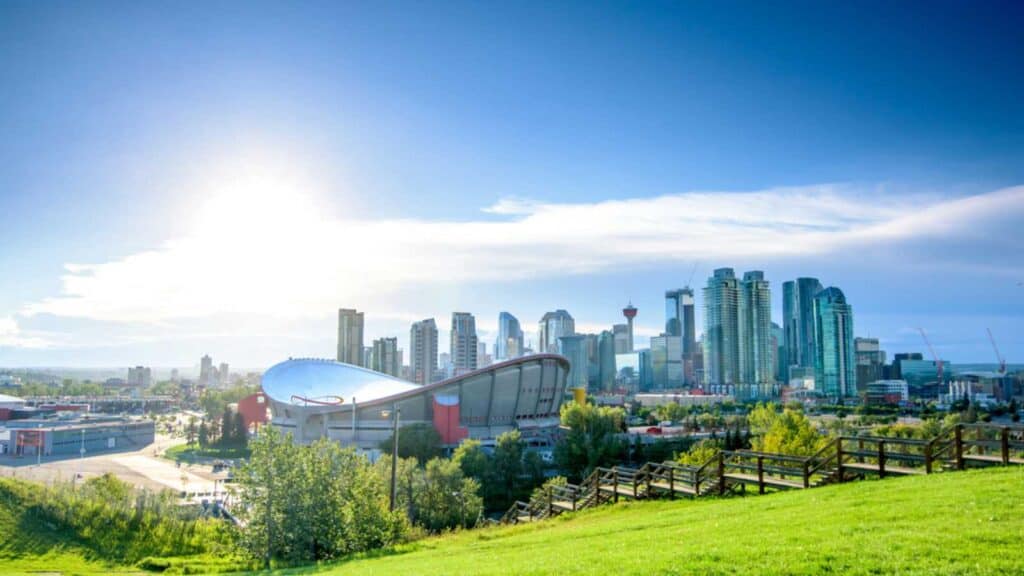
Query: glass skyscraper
x: 574, y: 348
x: 835, y: 370
x: 756, y: 374
x: 510, y: 338
x: 721, y: 330
x: 554, y: 325
x: 679, y: 321
x: 798, y: 323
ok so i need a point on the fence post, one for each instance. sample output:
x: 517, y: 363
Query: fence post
x: 928, y: 458
x: 615, y: 483
x: 760, y: 475
x: 551, y: 502
x: 575, y: 494
x: 1004, y: 440
x: 721, y: 473
x: 958, y: 441
x: 839, y: 458
x: 881, y: 459
x: 807, y: 475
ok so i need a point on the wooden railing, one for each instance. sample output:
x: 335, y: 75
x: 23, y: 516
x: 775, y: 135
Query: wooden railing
x: 842, y: 458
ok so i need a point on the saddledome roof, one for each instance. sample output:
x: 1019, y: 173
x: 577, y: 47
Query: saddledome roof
x: 315, y: 381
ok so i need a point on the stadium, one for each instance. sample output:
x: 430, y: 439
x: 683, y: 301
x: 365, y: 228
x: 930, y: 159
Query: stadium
x: 314, y: 398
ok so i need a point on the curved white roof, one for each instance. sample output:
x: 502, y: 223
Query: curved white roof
x: 313, y: 381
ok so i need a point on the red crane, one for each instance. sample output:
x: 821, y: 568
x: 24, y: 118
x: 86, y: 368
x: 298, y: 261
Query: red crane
x: 1002, y: 361
x: 938, y: 363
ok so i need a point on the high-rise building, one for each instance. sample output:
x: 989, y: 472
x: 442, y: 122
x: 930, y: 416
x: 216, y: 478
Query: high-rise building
x: 756, y: 374
x: 606, y: 355
x: 721, y: 331
x: 463, y: 342
x: 630, y: 313
x: 423, y: 351
x: 483, y: 359
x: 667, y: 362
x: 835, y: 373
x: 350, y: 336
x: 223, y: 375
x: 870, y: 361
x: 620, y: 334
x: 573, y: 347
x: 778, y: 349
x: 798, y: 323
x: 554, y: 325
x: 510, y: 338
x: 140, y: 376
x: 680, y: 321
x: 385, y: 357
x: 207, y: 375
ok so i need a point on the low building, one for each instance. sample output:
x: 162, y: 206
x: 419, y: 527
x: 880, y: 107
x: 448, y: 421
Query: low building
x: 650, y: 400
x: 67, y: 437
x: 887, y: 392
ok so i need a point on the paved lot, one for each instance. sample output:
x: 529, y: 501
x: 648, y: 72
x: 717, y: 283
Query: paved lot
x: 142, y: 468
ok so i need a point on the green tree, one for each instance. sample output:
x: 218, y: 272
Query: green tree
x: 699, y: 453
x: 316, y: 502
x: 204, y: 435
x: 227, y: 429
x: 419, y: 441
x: 506, y: 467
x: 788, y: 432
x: 191, y: 430
x: 592, y: 438
x: 447, y: 498
x: 471, y: 459
x: 240, y: 435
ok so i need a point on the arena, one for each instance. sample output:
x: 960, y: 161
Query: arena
x: 315, y: 398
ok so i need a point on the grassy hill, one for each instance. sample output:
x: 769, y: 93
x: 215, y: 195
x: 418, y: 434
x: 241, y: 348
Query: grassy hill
x: 956, y: 523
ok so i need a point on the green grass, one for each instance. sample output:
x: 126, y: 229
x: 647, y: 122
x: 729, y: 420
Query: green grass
x: 954, y: 523
x: 191, y: 453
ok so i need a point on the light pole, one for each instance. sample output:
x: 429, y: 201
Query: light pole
x: 394, y: 459
x: 39, y: 444
x: 81, y: 455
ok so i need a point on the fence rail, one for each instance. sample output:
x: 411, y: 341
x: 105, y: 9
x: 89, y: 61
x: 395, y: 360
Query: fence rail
x: 842, y: 459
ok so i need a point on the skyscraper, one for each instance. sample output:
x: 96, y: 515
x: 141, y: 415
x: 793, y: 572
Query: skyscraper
x: 554, y: 325
x: 679, y: 321
x: 798, y: 323
x: 350, y: 336
x: 620, y: 333
x: 207, y: 375
x: 667, y: 361
x: 721, y: 330
x: 423, y: 351
x: 606, y: 355
x: 835, y: 372
x: 778, y: 347
x: 510, y: 338
x: 463, y: 342
x: 385, y: 356
x: 870, y: 361
x: 573, y: 347
x: 754, y: 329
x: 630, y: 313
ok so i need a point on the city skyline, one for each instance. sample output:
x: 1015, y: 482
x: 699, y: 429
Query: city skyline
x: 214, y: 204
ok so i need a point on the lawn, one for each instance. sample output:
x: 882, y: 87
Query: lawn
x: 954, y: 523
x: 192, y: 453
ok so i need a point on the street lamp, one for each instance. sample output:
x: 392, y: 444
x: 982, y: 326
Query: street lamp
x: 394, y: 456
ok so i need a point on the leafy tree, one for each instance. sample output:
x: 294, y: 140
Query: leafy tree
x: 191, y: 430
x: 699, y: 453
x: 592, y: 438
x: 506, y: 467
x: 419, y: 441
x: 471, y: 459
x: 447, y: 498
x: 788, y: 432
x: 315, y: 502
x: 227, y: 429
x: 204, y: 435
x: 240, y: 434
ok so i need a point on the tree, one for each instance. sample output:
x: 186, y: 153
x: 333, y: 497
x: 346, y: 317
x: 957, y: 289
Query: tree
x: 698, y: 454
x: 316, y: 502
x: 191, y: 430
x: 447, y: 498
x: 592, y: 439
x: 227, y: 429
x: 204, y: 435
x: 506, y: 467
x: 241, y: 433
x: 471, y: 459
x: 788, y: 432
x: 419, y: 441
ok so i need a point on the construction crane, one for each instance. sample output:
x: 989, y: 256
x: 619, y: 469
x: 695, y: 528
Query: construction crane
x: 1002, y: 361
x: 938, y: 363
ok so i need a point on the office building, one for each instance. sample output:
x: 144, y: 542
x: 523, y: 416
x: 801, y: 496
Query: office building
x: 223, y: 374
x: 835, y: 373
x: 463, y: 343
x: 423, y: 351
x: 870, y: 361
x: 573, y: 348
x: 721, y: 331
x: 350, y: 337
x: 384, y: 356
x: 140, y: 377
x: 510, y: 338
x: 666, y: 362
x: 483, y: 359
x: 606, y: 361
x: 754, y: 316
x: 798, y: 322
x: 620, y: 335
x: 680, y: 321
x: 554, y: 325
x: 207, y: 375
x: 778, y: 349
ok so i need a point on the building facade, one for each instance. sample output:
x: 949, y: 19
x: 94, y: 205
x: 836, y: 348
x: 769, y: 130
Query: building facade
x: 835, y: 373
x: 463, y: 343
x: 680, y: 321
x: 757, y: 378
x: 423, y: 351
x: 798, y: 323
x: 350, y: 337
x: 552, y: 326
x: 510, y: 338
x: 721, y: 330
x: 385, y: 356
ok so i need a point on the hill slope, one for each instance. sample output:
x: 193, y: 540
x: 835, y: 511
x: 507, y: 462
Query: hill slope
x: 955, y: 523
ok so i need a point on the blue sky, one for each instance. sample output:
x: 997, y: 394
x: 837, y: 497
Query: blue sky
x: 220, y: 177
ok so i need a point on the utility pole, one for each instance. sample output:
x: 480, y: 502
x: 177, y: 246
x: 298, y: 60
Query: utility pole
x: 394, y: 460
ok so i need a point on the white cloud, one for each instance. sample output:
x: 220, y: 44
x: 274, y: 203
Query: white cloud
x: 12, y: 336
x: 275, y: 254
